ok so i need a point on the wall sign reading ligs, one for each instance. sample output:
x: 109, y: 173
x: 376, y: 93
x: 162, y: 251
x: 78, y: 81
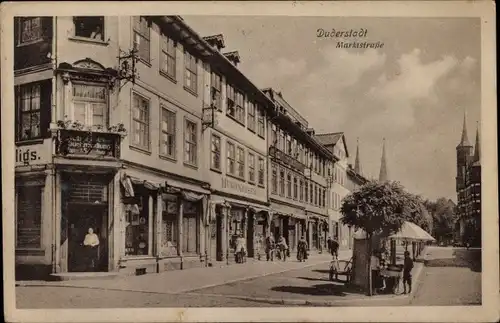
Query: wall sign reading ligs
x: 32, y: 155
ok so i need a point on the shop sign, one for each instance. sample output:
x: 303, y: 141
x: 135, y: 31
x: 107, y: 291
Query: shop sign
x: 240, y: 187
x: 74, y: 142
x: 32, y: 155
x: 286, y: 159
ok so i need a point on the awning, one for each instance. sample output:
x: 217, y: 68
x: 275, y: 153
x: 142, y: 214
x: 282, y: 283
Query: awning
x: 186, y: 186
x: 238, y: 203
x: 411, y: 232
x: 147, y: 184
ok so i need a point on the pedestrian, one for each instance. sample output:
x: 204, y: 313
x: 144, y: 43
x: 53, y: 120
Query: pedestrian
x: 91, y: 243
x: 329, y: 245
x: 240, y: 250
x: 270, y: 247
x: 375, y: 268
x: 335, y: 248
x: 302, y: 249
x: 407, y: 267
x: 283, y: 247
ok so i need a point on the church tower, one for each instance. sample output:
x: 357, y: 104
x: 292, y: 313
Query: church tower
x: 464, y: 154
x: 382, y: 177
x: 357, y: 163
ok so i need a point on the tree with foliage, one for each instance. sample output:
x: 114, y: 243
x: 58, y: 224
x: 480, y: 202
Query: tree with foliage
x: 379, y: 208
x: 444, y: 218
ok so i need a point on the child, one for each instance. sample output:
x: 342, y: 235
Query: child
x: 407, y: 267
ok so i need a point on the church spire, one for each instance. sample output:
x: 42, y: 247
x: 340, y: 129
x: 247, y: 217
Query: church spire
x: 464, y: 142
x: 477, y: 147
x: 357, y: 165
x: 383, y: 166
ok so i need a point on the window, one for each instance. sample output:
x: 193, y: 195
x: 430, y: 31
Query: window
x: 301, y: 190
x: 168, y: 129
x: 29, y: 111
x: 90, y: 104
x: 261, y: 171
x: 282, y: 182
x: 231, y: 158
x: 274, y: 180
x: 231, y: 101
x: 251, y: 116
x: 251, y: 167
x: 216, y: 84
x: 240, y: 156
x: 190, y: 149
x: 288, y: 148
x: 306, y: 192
x: 295, y: 188
x: 141, y: 37
x: 274, y: 136
x: 169, y: 227
x: 315, y: 195
x: 168, y: 56
x: 215, y: 151
x: 140, y: 120
x: 29, y: 217
x: 311, y: 198
x: 191, y: 75
x: 282, y: 141
x: 31, y: 30
x: 288, y: 186
x: 89, y: 27
x: 261, y: 129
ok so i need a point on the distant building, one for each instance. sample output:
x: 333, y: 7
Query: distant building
x: 468, y: 188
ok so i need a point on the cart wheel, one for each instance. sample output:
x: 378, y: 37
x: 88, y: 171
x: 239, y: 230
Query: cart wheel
x: 331, y: 275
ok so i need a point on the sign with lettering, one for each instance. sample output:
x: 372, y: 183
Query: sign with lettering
x: 288, y: 160
x: 74, y: 142
x: 240, y: 187
x: 33, y: 154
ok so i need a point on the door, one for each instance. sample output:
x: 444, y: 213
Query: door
x: 250, y: 236
x: 80, y: 218
x: 220, y: 229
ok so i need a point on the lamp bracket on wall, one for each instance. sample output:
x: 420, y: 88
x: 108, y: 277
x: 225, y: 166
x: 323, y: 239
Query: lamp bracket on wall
x: 127, y: 69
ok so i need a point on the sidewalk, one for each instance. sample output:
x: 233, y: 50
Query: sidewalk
x: 182, y: 281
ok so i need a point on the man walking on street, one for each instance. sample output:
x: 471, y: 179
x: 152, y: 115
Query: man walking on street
x: 270, y: 245
x: 329, y: 245
x: 407, y: 267
x: 335, y: 248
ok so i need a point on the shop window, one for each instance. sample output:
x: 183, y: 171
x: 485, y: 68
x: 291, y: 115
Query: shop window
x: 31, y: 30
x: 89, y: 27
x: 29, y: 217
x: 168, y: 130
x: 90, y: 104
x: 169, y: 227
x: 262, y: 167
x: 142, y: 37
x: 215, y: 153
x: 140, y: 121
x: 216, y: 89
x: 137, y: 229
x: 191, y: 144
x: 168, y: 56
x: 191, y: 72
x: 251, y: 167
x: 190, y: 228
x: 251, y: 116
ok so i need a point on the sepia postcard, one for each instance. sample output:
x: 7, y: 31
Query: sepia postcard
x: 253, y: 161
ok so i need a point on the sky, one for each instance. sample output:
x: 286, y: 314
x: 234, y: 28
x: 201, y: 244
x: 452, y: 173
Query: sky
x: 413, y: 91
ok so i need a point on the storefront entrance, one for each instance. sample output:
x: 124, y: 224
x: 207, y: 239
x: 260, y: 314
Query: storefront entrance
x: 81, y: 217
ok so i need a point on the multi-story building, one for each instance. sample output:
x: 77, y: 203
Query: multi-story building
x: 237, y: 156
x: 298, y: 166
x: 81, y: 83
x: 337, y: 188
x: 468, y: 187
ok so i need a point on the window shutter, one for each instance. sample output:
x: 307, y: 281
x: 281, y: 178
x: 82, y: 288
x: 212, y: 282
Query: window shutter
x: 45, y: 107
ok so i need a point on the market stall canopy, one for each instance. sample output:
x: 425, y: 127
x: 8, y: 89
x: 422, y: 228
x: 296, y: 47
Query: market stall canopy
x: 411, y: 232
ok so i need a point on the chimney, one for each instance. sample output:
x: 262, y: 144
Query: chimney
x: 216, y: 41
x: 311, y: 132
x: 234, y: 57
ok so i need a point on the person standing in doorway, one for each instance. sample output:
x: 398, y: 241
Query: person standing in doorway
x: 91, y: 243
x: 407, y: 267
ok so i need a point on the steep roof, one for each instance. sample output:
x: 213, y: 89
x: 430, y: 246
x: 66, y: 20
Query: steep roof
x: 464, y: 141
x: 331, y: 139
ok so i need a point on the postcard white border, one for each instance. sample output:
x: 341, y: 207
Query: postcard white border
x: 490, y: 269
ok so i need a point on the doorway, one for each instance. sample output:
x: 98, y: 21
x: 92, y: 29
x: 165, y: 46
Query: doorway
x: 250, y: 236
x: 81, y: 217
x: 220, y: 231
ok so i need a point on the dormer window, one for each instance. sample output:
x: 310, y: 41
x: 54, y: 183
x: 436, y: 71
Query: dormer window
x: 89, y: 27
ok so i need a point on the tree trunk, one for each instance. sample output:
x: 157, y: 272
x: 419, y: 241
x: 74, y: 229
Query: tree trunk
x: 369, y: 253
x: 393, y: 252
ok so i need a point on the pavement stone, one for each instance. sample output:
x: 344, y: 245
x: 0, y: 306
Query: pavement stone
x: 182, y: 281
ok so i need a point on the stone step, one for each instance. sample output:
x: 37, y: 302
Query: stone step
x: 84, y: 276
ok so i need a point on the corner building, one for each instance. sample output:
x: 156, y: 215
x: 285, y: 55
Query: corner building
x: 298, y: 166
